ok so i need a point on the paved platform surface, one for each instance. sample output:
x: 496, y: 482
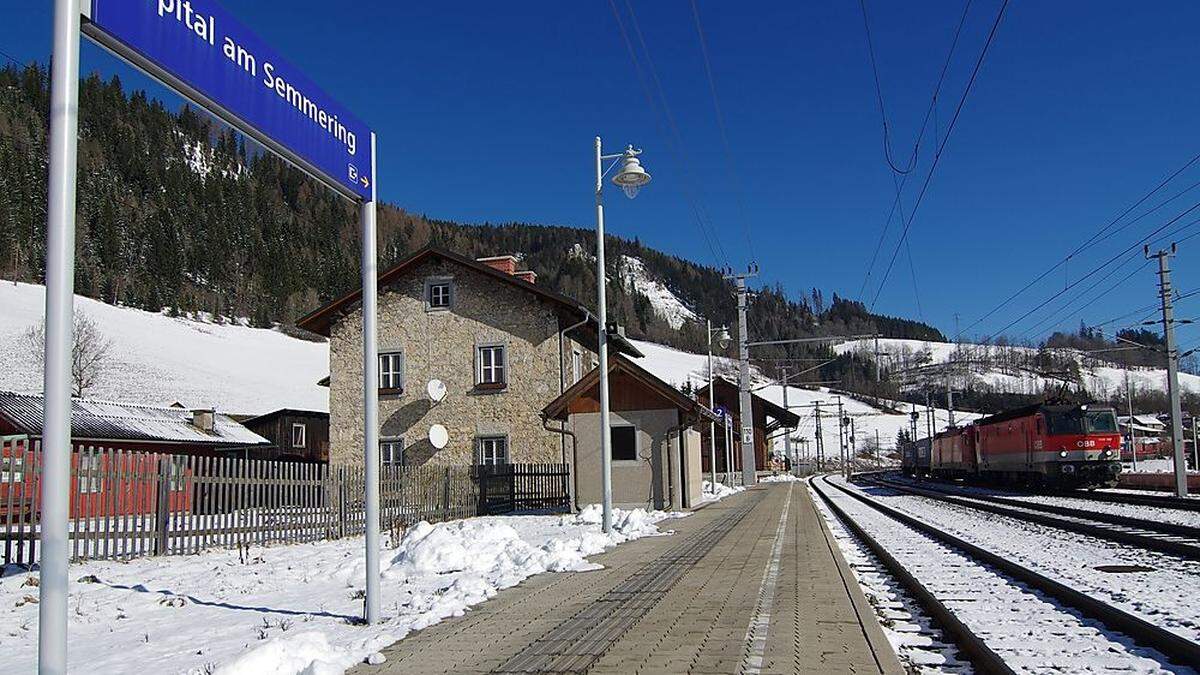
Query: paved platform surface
x: 751, y: 584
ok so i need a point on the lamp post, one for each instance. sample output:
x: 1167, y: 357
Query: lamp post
x: 631, y: 178
x: 723, y: 339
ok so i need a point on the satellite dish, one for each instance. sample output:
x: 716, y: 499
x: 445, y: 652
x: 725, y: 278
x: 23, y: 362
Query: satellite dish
x: 438, y: 436
x: 436, y: 389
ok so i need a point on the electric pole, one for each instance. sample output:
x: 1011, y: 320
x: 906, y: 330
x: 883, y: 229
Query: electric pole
x: 1168, y: 320
x: 842, y: 422
x: 950, y: 399
x: 787, y: 436
x: 1132, y: 432
x: 745, y: 405
x: 818, y: 443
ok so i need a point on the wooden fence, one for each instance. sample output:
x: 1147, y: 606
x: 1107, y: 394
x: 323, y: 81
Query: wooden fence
x: 129, y: 504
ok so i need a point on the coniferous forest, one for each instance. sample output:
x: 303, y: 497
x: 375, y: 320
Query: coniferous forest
x: 177, y: 212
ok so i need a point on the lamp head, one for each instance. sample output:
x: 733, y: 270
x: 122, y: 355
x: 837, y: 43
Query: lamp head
x: 723, y: 338
x: 632, y: 176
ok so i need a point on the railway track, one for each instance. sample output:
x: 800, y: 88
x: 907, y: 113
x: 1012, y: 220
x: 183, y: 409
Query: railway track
x: 1161, y: 501
x: 1170, y: 538
x: 1009, y: 590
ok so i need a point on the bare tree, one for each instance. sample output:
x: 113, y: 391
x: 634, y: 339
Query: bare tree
x: 89, y: 352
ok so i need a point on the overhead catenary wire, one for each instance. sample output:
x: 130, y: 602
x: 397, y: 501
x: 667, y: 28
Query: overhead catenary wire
x: 730, y: 165
x: 1004, y: 303
x: 931, y: 110
x: 942, y: 146
x: 1094, y: 270
x: 699, y: 213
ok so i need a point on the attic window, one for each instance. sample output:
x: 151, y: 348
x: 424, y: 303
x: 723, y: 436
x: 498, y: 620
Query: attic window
x: 439, y: 294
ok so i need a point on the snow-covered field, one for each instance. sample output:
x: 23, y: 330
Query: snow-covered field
x: 294, y: 609
x: 1102, y: 381
x: 158, y: 360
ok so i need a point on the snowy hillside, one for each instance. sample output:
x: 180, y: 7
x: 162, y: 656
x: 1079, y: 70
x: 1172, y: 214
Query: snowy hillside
x: 156, y: 359
x: 665, y: 303
x: 910, y: 357
x: 679, y: 367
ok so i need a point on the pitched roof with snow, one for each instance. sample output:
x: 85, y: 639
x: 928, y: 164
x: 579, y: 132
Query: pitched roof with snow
x: 105, y: 420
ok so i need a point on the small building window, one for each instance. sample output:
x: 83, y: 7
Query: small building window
x: 624, y: 443
x: 391, y: 372
x: 298, y: 435
x: 490, y: 366
x: 493, y: 450
x: 438, y: 294
x: 576, y: 366
x: 391, y: 451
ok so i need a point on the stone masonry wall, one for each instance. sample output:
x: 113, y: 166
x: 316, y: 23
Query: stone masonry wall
x: 441, y: 344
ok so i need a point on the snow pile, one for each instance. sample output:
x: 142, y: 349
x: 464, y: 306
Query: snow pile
x: 293, y: 609
x: 665, y: 303
x: 722, y: 491
x: 780, y: 478
x: 158, y: 360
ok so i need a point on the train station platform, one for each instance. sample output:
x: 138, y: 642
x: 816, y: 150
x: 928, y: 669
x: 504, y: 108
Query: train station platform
x: 751, y: 584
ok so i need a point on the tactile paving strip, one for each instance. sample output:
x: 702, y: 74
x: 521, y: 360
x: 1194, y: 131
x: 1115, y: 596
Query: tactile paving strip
x: 576, y: 644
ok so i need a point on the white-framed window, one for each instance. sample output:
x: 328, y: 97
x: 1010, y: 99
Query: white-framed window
x: 299, y: 435
x: 89, y: 473
x: 391, y: 451
x: 439, y: 294
x: 623, y: 439
x: 391, y: 371
x: 576, y: 365
x: 493, y: 450
x: 490, y: 366
x: 12, y: 470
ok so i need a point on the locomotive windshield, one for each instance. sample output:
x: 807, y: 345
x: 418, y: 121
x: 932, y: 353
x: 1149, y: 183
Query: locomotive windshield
x: 1080, y: 421
x: 1101, y: 422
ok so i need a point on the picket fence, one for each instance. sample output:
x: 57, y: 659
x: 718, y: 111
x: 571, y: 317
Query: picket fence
x: 126, y: 504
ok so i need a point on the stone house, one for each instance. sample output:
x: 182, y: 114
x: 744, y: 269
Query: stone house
x: 502, y: 346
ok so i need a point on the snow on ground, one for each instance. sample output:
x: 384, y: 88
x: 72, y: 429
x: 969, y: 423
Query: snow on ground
x: 722, y: 491
x: 1162, y: 594
x: 999, y: 609
x: 158, y: 360
x: 1156, y: 465
x: 665, y: 303
x: 294, y: 609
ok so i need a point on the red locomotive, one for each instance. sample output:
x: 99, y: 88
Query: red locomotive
x: 1061, y: 445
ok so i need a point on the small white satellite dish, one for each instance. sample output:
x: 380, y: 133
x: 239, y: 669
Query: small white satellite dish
x: 436, y: 390
x: 438, y: 436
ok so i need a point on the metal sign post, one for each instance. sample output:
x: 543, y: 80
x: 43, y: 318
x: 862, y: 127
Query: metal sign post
x: 198, y: 49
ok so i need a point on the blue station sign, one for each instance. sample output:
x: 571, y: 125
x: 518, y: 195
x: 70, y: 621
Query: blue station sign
x: 200, y: 49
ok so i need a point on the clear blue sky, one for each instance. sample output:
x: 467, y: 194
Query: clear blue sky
x: 487, y: 113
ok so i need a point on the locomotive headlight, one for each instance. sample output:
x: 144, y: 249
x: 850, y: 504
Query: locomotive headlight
x: 1062, y: 453
x: 1107, y: 452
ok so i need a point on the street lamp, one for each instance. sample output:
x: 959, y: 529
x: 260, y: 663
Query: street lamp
x: 631, y: 178
x: 722, y: 336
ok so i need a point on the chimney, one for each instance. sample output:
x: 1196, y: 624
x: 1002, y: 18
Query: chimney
x: 504, y: 263
x: 527, y: 275
x: 205, y: 420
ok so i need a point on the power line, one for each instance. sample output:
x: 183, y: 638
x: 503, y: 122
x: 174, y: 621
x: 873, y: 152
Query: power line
x: 734, y: 176
x: 938, y: 154
x: 930, y: 110
x: 1082, y: 246
x: 1094, y: 271
x: 713, y: 242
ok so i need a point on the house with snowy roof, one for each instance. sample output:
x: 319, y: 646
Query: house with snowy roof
x: 128, y: 426
x: 485, y: 334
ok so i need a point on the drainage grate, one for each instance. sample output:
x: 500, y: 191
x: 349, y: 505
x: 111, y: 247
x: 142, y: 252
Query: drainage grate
x: 574, y: 645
